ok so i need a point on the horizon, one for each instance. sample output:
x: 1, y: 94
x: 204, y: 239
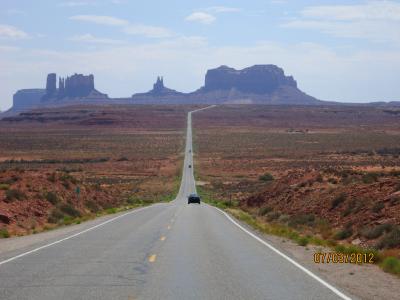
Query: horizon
x: 336, y: 51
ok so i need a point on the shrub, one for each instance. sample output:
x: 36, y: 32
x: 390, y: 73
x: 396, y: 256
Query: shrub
x: 303, y: 219
x: 4, y: 233
x: 375, y: 232
x: 55, y: 216
x: 338, y: 200
x: 52, y: 177
x: 319, y: 178
x: 93, y: 206
x: 123, y: 158
x: 266, y: 177
x: 4, y: 186
x: 390, y: 240
x: 13, y: 194
x: 344, y: 233
x: 52, y: 198
x: 264, y: 210
x: 378, y: 207
x: 273, y: 215
x: 70, y: 210
x: 370, y: 177
x: 303, y: 241
x: 391, y: 265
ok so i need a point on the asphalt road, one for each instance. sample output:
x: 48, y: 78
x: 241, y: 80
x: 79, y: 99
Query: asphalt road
x: 165, y: 251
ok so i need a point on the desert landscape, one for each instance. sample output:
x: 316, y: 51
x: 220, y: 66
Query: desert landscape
x: 62, y: 166
x: 324, y: 175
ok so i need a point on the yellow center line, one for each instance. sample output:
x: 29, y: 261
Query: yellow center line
x: 162, y: 238
x: 152, y: 258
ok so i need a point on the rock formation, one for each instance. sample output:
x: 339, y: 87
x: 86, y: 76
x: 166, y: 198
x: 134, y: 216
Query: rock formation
x: 51, y: 84
x: 27, y: 98
x: 158, y: 91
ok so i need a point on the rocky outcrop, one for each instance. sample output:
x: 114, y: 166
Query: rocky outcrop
x: 159, y: 91
x: 258, y: 79
x: 27, y: 99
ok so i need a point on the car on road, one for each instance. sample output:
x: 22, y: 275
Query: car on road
x: 194, y: 198
x: 190, y: 166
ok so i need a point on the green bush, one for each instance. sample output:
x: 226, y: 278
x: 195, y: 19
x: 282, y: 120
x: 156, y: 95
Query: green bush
x: 266, y: 177
x: 338, y: 200
x: 391, y: 265
x: 4, y: 233
x: 303, y: 241
x: 344, y: 233
x: 4, y: 186
x: 52, y: 198
x: 302, y: 219
x: 264, y: 210
x: 70, y: 210
x: 14, y: 194
x: 55, y: 216
x: 390, y: 240
x: 372, y: 233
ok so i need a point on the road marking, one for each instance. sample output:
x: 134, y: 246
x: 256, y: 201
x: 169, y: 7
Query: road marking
x: 152, y: 258
x: 162, y: 238
x: 308, y: 272
x: 74, y: 235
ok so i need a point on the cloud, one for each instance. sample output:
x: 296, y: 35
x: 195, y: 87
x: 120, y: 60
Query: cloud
x: 89, y: 38
x: 147, y: 31
x: 77, y: 3
x: 223, y: 9
x: 200, y: 17
x: 103, y: 20
x: 8, y: 31
x: 378, y: 21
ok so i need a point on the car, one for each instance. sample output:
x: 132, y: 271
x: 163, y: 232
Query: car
x: 190, y: 166
x: 190, y: 150
x: 194, y: 198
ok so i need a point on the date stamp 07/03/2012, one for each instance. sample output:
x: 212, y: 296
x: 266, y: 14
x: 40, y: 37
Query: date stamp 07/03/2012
x: 343, y: 258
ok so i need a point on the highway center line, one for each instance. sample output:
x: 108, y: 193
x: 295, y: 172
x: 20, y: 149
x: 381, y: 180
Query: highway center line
x: 308, y: 272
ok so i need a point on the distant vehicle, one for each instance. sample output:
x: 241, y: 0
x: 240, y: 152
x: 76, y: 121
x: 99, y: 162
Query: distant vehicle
x: 190, y: 166
x: 194, y: 198
x: 190, y: 150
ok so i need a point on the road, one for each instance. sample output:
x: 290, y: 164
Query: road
x: 165, y: 251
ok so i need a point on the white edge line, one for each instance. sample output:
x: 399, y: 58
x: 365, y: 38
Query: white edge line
x: 305, y: 270
x: 73, y: 235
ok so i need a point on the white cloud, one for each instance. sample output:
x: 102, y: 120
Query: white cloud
x: 8, y: 31
x: 377, y: 21
x: 89, y: 38
x: 148, y: 31
x: 200, y: 17
x: 103, y: 20
x: 223, y: 9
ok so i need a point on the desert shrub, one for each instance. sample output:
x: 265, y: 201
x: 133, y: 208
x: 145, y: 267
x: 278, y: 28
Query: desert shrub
x: 4, y: 234
x: 266, y: 177
x: 93, y: 207
x: 4, y: 186
x: 390, y: 240
x: 332, y: 180
x: 370, y: 177
x: 52, y: 198
x: 264, y: 210
x: 375, y: 232
x: 14, y: 194
x: 338, y: 200
x: 67, y: 177
x: 391, y: 265
x: 319, y: 178
x: 70, y: 210
x: 344, y: 233
x: 123, y: 158
x: 353, y: 206
x: 302, y: 219
x: 378, y: 206
x: 52, y: 177
x: 55, y: 216
x: 303, y: 241
x: 273, y: 215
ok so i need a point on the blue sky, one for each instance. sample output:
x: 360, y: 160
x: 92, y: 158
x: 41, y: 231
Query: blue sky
x: 336, y: 50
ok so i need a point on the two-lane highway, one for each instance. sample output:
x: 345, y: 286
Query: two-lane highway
x: 165, y: 251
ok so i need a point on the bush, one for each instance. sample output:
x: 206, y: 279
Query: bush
x: 338, y: 200
x: 4, y: 186
x: 303, y: 219
x: 273, y: 215
x: 264, y: 210
x: 55, y: 216
x: 378, y: 207
x: 344, y: 233
x: 391, y: 265
x: 266, y: 177
x: 13, y: 194
x: 390, y: 240
x: 93, y: 206
x: 52, y: 198
x: 370, y: 178
x: 52, y: 177
x: 372, y: 233
x: 70, y: 210
x: 303, y: 241
x: 4, y: 233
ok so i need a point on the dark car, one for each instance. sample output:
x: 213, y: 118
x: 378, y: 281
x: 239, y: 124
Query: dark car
x: 190, y: 166
x: 194, y: 198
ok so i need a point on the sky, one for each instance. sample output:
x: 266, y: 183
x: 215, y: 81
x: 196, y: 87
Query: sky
x: 336, y: 50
